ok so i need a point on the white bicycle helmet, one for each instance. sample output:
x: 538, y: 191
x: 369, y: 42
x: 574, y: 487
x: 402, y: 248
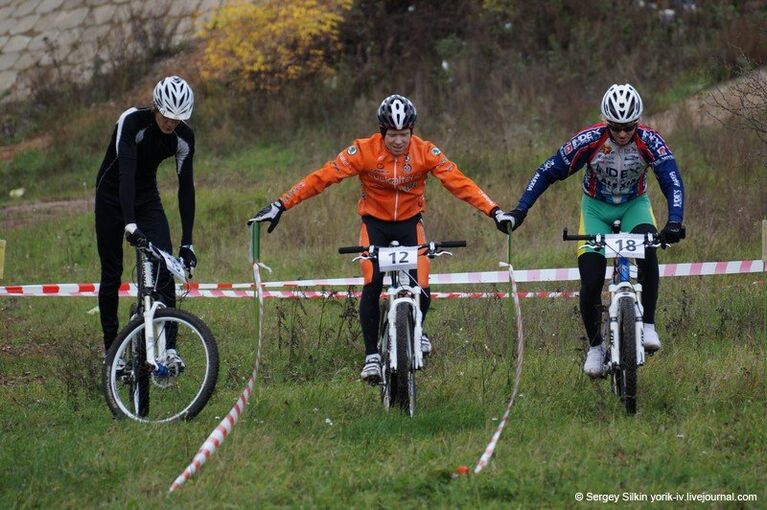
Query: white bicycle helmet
x: 396, y: 112
x: 621, y: 104
x: 173, y: 98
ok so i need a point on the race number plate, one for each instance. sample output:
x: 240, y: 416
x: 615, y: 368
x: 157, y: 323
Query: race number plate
x: 624, y: 245
x: 174, y: 266
x: 398, y: 258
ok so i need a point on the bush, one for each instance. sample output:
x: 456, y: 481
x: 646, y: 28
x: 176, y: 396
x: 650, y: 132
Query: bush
x: 266, y: 46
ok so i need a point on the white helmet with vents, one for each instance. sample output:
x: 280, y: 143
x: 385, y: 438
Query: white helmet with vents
x: 396, y: 112
x: 621, y: 104
x: 173, y: 98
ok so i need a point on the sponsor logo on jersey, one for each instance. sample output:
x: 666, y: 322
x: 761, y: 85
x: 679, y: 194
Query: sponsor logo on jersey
x: 352, y: 150
x: 295, y: 190
x: 533, y: 181
x: 662, y: 150
x: 605, y: 149
x: 394, y: 182
x: 677, y: 198
x: 407, y: 169
x: 436, y: 151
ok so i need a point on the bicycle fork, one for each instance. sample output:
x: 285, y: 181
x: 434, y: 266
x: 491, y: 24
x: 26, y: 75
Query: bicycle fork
x: 620, y: 291
x: 417, y: 331
x: 152, y: 340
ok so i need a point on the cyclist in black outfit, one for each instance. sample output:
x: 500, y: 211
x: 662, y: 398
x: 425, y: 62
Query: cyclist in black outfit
x: 128, y: 201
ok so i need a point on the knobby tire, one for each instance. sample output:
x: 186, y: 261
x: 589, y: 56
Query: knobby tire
x: 628, y: 354
x: 405, y: 376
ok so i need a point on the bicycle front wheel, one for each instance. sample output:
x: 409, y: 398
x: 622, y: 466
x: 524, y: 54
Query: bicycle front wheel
x: 628, y: 354
x: 405, y: 376
x: 134, y: 390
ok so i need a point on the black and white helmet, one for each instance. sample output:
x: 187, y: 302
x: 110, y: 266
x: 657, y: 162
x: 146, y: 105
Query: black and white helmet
x: 173, y: 98
x: 621, y: 104
x: 396, y: 112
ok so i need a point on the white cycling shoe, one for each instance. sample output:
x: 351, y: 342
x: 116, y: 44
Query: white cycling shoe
x: 173, y: 359
x: 595, y: 361
x: 425, y: 345
x: 650, y: 340
x: 371, y: 370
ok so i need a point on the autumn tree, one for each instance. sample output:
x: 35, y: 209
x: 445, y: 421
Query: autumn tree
x: 265, y: 45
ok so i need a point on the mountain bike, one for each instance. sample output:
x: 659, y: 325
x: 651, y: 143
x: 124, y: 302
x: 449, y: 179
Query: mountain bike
x: 139, y: 379
x: 400, y: 327
x: 623, y: 317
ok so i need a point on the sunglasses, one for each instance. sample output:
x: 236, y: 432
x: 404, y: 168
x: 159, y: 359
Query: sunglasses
x: 617, y: 128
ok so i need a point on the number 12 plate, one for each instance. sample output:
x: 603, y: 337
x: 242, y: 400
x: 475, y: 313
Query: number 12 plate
x: 398, y: 258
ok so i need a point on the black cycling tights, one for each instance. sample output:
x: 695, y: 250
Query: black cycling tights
x: 592, y: 268
x: 110, y: 230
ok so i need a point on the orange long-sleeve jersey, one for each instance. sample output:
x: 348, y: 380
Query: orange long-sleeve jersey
x: 392, y: 186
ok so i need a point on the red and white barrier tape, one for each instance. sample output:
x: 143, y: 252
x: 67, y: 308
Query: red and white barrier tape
x: 226, y: 426
x: 31, y: 291
x: 485, y: 458
x: 242, y: 289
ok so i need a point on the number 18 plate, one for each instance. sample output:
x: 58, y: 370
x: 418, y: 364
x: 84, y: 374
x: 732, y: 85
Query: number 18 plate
x: 624, y: 245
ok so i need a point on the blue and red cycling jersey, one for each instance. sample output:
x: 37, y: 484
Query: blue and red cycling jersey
x: 614, y: 174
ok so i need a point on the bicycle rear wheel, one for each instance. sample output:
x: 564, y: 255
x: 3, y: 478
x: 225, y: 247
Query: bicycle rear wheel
x: 178, y: 393
x: 627, y: 374
x: 405, y: 375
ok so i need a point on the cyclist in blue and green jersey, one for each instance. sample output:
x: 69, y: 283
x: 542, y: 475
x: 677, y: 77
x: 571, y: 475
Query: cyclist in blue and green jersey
x: 616, y: 153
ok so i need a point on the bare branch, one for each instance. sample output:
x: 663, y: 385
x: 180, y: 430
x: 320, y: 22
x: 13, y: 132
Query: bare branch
x: 743, y: 102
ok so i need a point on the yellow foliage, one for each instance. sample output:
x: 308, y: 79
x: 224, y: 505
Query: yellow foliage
x: 265, y: 45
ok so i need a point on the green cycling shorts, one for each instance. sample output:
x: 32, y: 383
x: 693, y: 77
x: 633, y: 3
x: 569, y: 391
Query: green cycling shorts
x: 597, y: 217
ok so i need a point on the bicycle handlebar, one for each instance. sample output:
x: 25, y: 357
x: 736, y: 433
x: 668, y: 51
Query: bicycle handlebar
x: 656, y: 238
x: 436, y: 246
x: 154, y: 252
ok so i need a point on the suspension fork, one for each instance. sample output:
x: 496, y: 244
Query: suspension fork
x: 150, y: 308
x: 412, y: 302
x: 623, y: 288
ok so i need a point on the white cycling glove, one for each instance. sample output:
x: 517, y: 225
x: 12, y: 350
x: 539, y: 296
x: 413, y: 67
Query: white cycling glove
x: 270, y: 213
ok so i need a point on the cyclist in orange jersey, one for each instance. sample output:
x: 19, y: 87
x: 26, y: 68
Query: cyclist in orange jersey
x: 392, y: 167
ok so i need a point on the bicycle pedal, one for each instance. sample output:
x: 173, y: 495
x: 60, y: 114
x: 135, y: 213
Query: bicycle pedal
x: 650, y: 353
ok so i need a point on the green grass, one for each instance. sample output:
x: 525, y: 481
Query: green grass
x: 698, y: 428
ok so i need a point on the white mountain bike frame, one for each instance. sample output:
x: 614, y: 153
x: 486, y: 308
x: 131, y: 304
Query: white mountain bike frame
x: 155, y: 344
x: 625, y: 306
x: 395, y: 262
